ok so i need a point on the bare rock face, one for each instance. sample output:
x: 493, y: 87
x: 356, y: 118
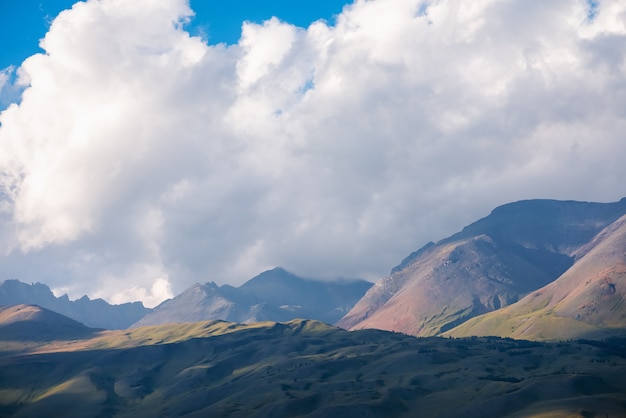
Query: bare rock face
x: 491, y: 264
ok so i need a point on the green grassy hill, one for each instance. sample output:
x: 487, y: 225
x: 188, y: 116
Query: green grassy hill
x: 307, y: 368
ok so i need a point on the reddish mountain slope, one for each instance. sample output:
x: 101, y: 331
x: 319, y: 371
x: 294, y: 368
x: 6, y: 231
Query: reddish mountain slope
x: 587, y: 301
x: 494, y: 262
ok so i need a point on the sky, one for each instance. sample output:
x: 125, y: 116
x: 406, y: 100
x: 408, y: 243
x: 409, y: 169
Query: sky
x: 144, y: 149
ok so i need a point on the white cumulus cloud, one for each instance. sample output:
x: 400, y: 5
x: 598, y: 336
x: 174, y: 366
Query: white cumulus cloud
x: 141, y: 159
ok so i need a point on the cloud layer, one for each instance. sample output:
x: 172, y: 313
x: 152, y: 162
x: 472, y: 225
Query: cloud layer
x: 141, y: 160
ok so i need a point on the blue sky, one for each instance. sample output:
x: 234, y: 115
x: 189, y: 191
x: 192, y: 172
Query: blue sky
x: 24, y: 22
x: 141, y: 159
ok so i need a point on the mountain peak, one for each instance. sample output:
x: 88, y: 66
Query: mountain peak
x: 275, y: 295
x: 94, y: 313
x: 490, y: 264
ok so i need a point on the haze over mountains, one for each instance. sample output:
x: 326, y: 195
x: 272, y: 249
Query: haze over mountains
x: 493, y: 263
x: 537, y: 269
x: 95, y: 313
x: 274, y: 295
x: 540, y: 270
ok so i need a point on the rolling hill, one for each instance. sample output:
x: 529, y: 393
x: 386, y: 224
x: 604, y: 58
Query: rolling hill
x: 305, y: 368
x: 34, y: 323
x: 492, y: 263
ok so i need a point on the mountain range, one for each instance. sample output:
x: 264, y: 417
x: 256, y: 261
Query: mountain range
x: 93, y: 313
x: 543, y: 246
x: 520, y: 314
x: 274, y: 295
x: 535, y: 269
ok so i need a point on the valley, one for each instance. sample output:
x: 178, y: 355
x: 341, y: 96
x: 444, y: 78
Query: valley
x: 307, y: 368
x: 520, y: 314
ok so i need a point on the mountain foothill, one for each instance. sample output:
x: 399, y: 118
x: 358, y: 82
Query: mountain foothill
x: 520, y: 314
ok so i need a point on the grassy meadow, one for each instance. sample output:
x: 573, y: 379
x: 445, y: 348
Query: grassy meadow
x: 307, y: 368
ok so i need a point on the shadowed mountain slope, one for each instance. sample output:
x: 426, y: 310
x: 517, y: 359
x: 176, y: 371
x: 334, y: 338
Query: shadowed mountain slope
x: 33, y: 323
x: 94, y: 313
x: 307, y: 368
x: 587, y: 301
x: 492, y: 263
x: 274, y: 295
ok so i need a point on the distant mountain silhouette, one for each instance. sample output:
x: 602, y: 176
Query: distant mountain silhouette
x: 274, y: 295
x: 492, y: 263
x: 94, y: 313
